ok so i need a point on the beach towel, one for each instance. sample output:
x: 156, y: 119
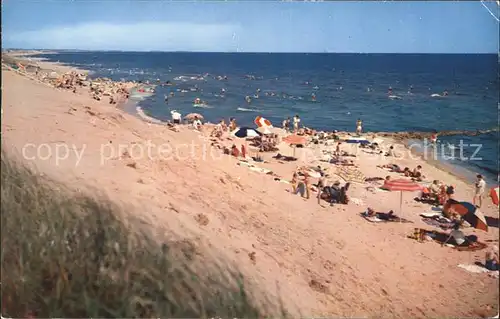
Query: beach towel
x: 260, y: 169
x: 431, y: 215
x: 473, y: 247
x: 441, y: 223
x: 440, y: 237
x: 281, y: 180
x: 241, y: 163
x: 384, y: 218
x: 373, y: 219
x: 474, y: 268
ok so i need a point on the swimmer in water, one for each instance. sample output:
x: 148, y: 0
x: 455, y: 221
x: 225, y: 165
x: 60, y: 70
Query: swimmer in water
x: 248, y: 99
x: 223, y: 90
x: 390, y: 92
x: 166, y: 99
x: 172, y: 94
x: 313, y: 97
x: 445, y: 93
x: 410, y: 89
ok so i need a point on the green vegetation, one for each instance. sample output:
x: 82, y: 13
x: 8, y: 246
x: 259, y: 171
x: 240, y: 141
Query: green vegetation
x: 70, y: 255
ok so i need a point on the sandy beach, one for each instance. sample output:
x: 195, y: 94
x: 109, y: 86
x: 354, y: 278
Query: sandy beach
x: 320, y: 260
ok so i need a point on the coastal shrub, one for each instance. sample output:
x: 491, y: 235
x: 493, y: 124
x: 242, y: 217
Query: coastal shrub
x: 70, y: 255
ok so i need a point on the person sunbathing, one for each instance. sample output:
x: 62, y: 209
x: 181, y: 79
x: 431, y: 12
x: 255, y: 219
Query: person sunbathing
x: 389, y: 166
x: 284, y: 158
x: 491, y: 260
x: 396, y: 168
x: 384, y: 216
x: 342, y: 162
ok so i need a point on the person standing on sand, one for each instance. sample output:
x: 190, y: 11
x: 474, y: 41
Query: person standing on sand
x: 338, y: 151
x: 480, y: 187
x: 197, y: 124
x: 286, y: 124
x: 232, y: 124
x: 359, y: 127
x: 296, y: 122
x: 294, y: 182
x: 307, y: 185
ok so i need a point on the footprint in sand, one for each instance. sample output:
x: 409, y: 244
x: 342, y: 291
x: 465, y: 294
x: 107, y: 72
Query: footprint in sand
x: 252, y: 257
x: 201, y: 219
x: 319, y: 287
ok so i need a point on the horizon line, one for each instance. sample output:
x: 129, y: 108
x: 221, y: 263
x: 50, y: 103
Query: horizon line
x: 244, y: 52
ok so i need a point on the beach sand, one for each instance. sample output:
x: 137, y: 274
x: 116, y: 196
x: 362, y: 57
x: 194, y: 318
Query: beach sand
x: 319, y: 260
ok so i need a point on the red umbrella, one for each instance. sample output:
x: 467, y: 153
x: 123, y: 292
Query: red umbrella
x: 295, y: 140
x: 468, y: 212
x: 494, y: 195
x: 262, y: 122
x: 402, y: 185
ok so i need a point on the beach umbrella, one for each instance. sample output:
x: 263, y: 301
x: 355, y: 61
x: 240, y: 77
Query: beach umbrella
x: 244, y: 132
x: 295, y: 140
x: 262, y: 122
x: 469, y: 212
x: 494, y: 195
x: 192, y: 116
x: 264, y: 130
x: 401, y: 185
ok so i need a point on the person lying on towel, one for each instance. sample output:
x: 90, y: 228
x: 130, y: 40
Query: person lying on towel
x: 370, y: 212
x: 491, y: 262
x: 396, y: 168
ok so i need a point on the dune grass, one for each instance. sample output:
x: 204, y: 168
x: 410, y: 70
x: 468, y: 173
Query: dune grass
x: 70, y: 255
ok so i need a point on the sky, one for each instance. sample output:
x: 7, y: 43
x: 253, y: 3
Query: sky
x: 251, y: 26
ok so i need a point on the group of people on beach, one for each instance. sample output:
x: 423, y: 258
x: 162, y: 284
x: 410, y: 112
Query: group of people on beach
x: 75, y: 81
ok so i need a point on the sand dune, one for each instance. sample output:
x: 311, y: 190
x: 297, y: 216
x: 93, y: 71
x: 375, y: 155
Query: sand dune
x: 320, y: 260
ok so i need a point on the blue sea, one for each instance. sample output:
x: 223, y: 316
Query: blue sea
x: 346, y: 87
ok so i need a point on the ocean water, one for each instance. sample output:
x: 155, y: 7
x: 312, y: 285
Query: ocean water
x: 346, y: 87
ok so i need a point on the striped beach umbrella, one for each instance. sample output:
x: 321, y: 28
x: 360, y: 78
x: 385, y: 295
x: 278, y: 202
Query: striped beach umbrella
x: 262, y: 122
x: 469, y: 212
x: 494, y: 195
x: 401, y: 185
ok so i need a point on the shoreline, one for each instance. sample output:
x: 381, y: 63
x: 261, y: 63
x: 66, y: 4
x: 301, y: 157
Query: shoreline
x: 248, y: 215
x: 132, y: 107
